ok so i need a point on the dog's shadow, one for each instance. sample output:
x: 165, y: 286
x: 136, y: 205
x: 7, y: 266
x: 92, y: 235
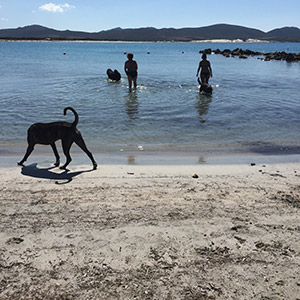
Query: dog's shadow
x: 45, y: 173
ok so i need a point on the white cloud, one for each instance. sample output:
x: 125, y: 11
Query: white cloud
x: 56, y: 8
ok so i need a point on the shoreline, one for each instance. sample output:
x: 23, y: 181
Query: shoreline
x: 147, y: 155
x: 154, y: 158
x: 103, y: 41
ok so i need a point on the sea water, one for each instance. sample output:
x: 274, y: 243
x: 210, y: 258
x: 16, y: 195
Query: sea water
x: 255, y: 105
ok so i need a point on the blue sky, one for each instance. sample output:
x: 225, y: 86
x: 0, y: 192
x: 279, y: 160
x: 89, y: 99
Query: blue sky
x: 97, y: 15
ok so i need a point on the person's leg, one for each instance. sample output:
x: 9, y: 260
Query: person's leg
x: 202, y: 76
x: 134, y: 82
x: 129, y: 82
x: 207, y: 78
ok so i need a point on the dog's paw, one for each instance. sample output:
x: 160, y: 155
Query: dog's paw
x: 56, y: 164
x: 94, y: 166
x: 20, y: 163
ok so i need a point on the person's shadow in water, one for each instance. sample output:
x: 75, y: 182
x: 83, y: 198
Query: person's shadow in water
x: 45, y: 173
x: 202, y: 106
x: 132, y: 105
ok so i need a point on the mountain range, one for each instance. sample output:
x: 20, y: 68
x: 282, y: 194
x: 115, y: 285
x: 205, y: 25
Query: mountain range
x: 218, y: 31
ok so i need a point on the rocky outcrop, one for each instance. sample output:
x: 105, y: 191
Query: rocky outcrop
x: 289, y: 57
x: 243, y: 54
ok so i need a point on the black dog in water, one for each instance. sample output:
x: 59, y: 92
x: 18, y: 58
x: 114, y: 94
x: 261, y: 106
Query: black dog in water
x: 205, y: 87
x: 49, y: 133
x: 113, y: 75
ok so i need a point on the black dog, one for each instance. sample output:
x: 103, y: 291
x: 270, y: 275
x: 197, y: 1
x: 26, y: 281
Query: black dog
x: 49, y: 133
x: 113, y: 75
x: 205, y: 87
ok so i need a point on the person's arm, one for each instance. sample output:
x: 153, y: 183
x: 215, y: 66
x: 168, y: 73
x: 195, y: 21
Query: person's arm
x: 125, y: 67
x: 198, y: 69
x: 210, y: 70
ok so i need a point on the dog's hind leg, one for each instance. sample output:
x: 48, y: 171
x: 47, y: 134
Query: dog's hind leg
x: 66, y: 145
x: 80, y: 142
x: 28, y: 152
x: 56, y: 154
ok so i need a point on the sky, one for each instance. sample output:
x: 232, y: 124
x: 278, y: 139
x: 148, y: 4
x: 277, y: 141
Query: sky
x: 97, y: 15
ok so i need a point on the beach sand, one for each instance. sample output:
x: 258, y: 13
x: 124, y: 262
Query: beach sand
x: 150, y: 232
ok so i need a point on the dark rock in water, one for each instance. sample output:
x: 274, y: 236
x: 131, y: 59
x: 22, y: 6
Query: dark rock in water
x: 226, y: 52
x: 217, y: 51
x: 289, y: 57
x: 113, y: 75
x: 207, y: 51
x: 236, y: 52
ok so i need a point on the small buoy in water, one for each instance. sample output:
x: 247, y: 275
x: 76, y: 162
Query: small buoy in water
x: 182, y: 52
x: 65, y: 53
x: 148, y: 52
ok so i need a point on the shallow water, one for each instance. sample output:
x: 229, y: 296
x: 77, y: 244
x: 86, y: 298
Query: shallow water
x: 254, y: 105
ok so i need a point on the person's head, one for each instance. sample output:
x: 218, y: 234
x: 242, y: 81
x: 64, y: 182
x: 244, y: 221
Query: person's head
x: 130, y: 56
x: 204, y: 56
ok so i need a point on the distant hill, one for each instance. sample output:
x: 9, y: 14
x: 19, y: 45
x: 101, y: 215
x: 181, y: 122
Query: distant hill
x: 39, y: 32
x: 221, y: 31
x: 218, y: 31
x: 285, y: 33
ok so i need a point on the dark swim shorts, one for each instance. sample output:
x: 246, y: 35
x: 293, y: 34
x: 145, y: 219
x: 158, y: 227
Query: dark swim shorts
x: 205, y: 74
x: 132, y: 74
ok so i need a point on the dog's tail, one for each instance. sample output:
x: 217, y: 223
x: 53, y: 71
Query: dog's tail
x: 74, y: 124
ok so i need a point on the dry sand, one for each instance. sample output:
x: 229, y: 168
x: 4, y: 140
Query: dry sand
x: 150, y: 232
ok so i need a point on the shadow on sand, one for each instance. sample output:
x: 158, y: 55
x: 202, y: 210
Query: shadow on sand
x: 45, y: 173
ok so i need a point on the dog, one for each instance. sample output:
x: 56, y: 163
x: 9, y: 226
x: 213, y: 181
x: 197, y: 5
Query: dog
x: 205, y: 88
x: 49, y: 133
x: 113, y: 75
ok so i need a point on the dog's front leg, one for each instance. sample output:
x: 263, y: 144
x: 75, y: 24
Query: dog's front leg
x: 28, y: 152
x: 56, y: 154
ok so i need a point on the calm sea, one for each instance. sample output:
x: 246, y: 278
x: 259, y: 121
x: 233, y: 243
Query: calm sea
x: 255, y: 104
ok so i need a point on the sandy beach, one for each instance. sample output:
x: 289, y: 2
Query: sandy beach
x: 199, y: 231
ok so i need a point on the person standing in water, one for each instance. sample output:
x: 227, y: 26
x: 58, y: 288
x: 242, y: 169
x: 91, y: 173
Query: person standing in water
x: 130, y: 69
x: 206, y: 71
